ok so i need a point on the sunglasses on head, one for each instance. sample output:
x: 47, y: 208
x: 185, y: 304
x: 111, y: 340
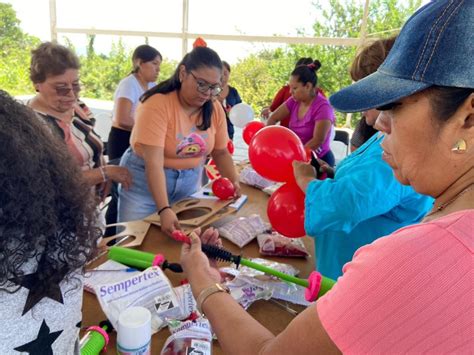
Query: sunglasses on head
x: 63, y: 90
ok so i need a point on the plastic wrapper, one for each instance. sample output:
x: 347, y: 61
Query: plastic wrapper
x: 242, y: 230
x: 247, y: 293
x: 270, y: 285
x: 186, y: 301
x: 150, y: 289
x: 250, y: 177
x: 189, y: 337
x: 274, y: 244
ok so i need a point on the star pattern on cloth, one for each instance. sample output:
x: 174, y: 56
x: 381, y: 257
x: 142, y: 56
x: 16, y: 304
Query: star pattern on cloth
x: 42, y: 344
x: 38, y: 290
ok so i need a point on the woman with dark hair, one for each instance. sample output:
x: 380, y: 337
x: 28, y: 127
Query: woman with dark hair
x: 178, y: 123
x: 47, y: 234
x: 311, y: 116
x: 411, y: 291
x: 54, y: 71
x: 284, y: 94
x: 146, y: 62
x: 229, y: 97
x: 365, y: 63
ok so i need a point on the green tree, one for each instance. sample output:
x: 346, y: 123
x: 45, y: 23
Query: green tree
x: 338, y: 18
x: 15, y: 47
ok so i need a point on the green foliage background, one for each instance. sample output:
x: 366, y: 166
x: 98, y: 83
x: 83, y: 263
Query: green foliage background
x: 257, y: 77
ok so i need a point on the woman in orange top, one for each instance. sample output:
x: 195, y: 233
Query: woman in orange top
x: 178, y: 124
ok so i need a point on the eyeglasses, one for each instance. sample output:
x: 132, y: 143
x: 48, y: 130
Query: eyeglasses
x: 65, y: 90
x: 203, y: 87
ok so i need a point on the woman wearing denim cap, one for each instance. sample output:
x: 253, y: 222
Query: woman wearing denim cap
x: 410, y: 292
x: 370, y: 202
x: 178, y: 123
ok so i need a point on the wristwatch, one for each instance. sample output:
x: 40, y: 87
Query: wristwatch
x: 208, y: 292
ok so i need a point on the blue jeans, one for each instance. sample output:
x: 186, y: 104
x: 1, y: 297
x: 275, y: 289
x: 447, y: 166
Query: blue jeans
x: 137, y: 202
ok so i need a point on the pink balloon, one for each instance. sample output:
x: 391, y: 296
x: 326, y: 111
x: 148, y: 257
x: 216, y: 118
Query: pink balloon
x: 285, y: 211
x: 272, y: 151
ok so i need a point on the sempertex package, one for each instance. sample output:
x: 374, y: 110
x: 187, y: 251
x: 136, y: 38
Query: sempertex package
x: 189, y: 337
x: 150, y: 289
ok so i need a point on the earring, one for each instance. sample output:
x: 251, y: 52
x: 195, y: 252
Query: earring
x: 460, y: 146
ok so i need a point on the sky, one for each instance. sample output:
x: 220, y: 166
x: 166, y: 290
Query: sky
x: 250, y: 17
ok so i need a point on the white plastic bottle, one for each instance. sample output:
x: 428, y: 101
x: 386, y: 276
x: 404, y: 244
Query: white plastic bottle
x: 134, y: 331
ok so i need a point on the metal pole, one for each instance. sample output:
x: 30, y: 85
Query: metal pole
x: 52, y: 20
x: 363, y: 35
x: 184, y: 44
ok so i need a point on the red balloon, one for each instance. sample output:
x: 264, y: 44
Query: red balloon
x: 223, y: 188
x: 230, y: 147
x: 285, y: 211
x: 211, y: 170
x: 272, y: 151
x: 250, y: 129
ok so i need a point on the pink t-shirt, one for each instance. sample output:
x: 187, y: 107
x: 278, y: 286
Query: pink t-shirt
x: 319, y: 110
x: 410, y: 292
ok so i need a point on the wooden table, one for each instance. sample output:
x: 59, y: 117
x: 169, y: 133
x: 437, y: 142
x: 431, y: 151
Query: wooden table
x: 271, y: 315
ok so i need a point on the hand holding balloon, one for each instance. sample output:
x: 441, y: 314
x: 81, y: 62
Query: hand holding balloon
x: 272, y: 151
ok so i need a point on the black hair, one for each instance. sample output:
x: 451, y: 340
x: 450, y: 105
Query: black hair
x: 145, y: 53
x: 226, y: 65
x: 46, y: 213
x: 199, y: 57
x: 446, y: 100
x: 303, y: 61
x: 306, y: 73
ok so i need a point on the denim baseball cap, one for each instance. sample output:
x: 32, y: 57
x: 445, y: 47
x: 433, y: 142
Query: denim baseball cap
x: 434, y: 47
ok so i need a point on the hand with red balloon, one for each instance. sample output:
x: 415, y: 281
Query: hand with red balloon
x: 272, y: 151
x: 285, y: 211
x: 223, y: 188
x: 250, y: 129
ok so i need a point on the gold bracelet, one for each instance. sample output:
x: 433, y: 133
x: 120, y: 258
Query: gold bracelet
x: 204, y: 294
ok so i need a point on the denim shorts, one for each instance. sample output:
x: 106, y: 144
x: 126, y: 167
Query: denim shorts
x: 137, y: 202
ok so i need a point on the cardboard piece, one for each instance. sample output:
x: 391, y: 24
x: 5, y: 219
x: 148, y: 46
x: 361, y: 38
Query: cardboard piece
x: 193, y: 212
x: 131, y: 234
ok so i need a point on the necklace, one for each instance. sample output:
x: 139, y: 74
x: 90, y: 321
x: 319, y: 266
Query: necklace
x: 447, y: 203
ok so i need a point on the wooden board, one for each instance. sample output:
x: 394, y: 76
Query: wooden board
x: 135, y: 230
x: 193, y: 212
